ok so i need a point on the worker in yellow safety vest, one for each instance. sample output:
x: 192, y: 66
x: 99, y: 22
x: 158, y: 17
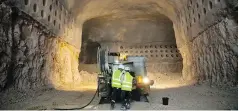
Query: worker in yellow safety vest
x: 127, y: 84
x: 116, y: 84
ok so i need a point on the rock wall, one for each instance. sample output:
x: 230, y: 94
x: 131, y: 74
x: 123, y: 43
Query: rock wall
x: 26, y: 51
x: 66, y: 73
x: 30, y: 56
x: 208, y: 43
x: 215, y: 53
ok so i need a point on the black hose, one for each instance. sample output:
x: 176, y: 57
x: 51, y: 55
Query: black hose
x: 82, y: 106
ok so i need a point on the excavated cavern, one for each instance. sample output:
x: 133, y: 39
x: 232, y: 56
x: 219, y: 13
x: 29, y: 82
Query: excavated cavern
x: 48, y: 50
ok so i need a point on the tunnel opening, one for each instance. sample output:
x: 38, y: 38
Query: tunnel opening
x: 47, y: 51
x: 88, y: 54
x: 150, y: 36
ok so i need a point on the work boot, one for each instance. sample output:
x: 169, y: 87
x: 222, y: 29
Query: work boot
x: 123, y: 107
x: 112, y: 105
x: 127, y: 105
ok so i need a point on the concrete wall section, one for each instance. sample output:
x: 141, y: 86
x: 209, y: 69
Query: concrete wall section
x: 53, y: 15
x: 198, y: 15
x: 160, y: 57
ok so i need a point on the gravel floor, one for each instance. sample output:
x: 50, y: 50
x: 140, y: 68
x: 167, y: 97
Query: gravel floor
x: 181, y: 97
x: 187, y: 98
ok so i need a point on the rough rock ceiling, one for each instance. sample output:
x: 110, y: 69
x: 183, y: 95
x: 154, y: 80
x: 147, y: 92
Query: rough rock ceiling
x: 85, y: 10
x: 131, y: 9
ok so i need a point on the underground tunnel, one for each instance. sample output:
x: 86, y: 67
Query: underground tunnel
x: 149, y: 36
x: 49, y: 51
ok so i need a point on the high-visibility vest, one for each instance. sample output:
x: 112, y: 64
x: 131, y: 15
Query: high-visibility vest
x: 116, y: 83
x: 127, y: 82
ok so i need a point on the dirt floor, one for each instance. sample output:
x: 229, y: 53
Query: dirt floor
x: 181, y: 96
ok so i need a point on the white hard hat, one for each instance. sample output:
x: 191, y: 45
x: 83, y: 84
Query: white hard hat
x: 127, y: 68
x: 121, y: 66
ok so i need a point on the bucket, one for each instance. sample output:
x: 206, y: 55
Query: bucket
x: 165, y: 100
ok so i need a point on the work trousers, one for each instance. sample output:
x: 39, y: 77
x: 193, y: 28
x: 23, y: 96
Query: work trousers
x: 115, y: 92
x: 126, y: 95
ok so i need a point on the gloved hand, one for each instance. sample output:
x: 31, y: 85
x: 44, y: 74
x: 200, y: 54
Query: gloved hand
x: 134, y: 81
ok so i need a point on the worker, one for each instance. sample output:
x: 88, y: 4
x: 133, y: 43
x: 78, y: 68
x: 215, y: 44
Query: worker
x: 126, y: 88
x: 116, y: 84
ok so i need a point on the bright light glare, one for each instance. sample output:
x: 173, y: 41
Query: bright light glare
x: 146, y: 80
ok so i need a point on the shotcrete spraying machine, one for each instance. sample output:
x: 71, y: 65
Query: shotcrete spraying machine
x: 108, y: 62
